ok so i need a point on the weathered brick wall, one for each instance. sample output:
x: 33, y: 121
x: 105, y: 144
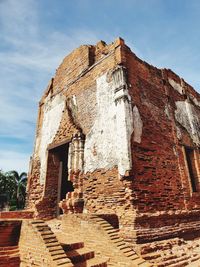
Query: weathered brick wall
x: 79, y: 92
x: 98, y: 235
x: 9, y: 232
x: 34, y: 188
x: 90, y: 94
x: 156, y: 182
x: 19, y: 214
x: 161, y: 186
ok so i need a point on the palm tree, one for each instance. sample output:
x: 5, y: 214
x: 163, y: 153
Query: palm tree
x: 7, y: 188
x: 19, y: 193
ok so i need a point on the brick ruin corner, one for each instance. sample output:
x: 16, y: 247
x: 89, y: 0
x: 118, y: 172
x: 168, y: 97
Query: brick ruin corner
x: 116, y: 135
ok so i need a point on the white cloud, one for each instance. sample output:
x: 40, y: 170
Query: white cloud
x: 29, y: 56
x: 28, y: 59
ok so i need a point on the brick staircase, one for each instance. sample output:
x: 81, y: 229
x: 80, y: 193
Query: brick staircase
x: 80, y: 256
x: 66, y: 254
x: 174, y: 252
x: 121, y: 245
x: 9, y: 256
x: 91, y: 235
x: 54, y: 248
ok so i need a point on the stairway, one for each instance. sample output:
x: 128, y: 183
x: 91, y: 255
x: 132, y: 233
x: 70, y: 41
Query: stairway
x: 122, y: 246
x: 87, y: 233
x: 81, y: 257
x: 54, y: 248
x: 9, y: 256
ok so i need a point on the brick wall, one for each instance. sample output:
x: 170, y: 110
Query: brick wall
x: 9, y: 232
x: 83, y: 86
x: 21, y: 214
x: 157, y: 185
x: 161, y: 186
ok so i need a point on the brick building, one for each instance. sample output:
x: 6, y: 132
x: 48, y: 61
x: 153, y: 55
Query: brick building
x: 119, y: 138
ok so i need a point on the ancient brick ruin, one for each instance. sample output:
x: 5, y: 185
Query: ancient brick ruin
x: 117, y: 143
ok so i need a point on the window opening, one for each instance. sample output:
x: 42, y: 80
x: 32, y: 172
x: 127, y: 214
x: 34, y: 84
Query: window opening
x: 192, y: 169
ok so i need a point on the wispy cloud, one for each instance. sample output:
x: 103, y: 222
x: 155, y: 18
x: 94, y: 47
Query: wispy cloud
x: 28, y: 59
x: 32, y: 47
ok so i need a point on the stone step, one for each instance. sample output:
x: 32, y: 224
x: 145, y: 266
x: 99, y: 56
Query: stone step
x: 43, y: 228
x: 50, y: 240
x: 180, y: 264
x: 92, y: 263
x: 9, y: 256
x: 195, y: 258
x: 57, y: 252
x: 37, y: 222
x: 9, y: 251
x: 195, y: 261
x: 53, y: 245
x: 152, y: 256
x: 192, y: 261
x: 80, y: 255
x: 14, y: 256
x: 139, y: 261
x: 7, y: 261
x: 65, y: 262
x: 174, y: 262
x: 50, y: 236
x: 8, y: 248
x: 133, y: 257
x: 72, y: 246
x: 113, y: 231
x: 161, y: 245
x: 107, y: 227
x: 46, y: 232
x: 146, y: 264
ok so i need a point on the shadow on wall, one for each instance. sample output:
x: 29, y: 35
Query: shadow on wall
x: 111, y: 219
x: 9, y: 233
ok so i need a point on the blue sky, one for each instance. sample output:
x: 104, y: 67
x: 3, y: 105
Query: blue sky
x: 35, y: 35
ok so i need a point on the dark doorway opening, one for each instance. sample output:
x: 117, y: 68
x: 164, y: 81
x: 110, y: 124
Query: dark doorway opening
x: 193, y: 175
x: 60, y: 154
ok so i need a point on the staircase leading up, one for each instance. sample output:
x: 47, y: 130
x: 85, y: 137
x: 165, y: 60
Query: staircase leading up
x: 80, y: 256
x: 52, y: 245
x: 91, y: 241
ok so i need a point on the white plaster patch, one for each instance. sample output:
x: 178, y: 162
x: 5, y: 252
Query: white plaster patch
x: 178, y: 133
x: 167, y: 111
x: 108, y: 143
x: 53, y: 109
x: 176, y: 86
x: 187, y: 116
x: 196, y: 102
x: 138, y: 124
x: 74, y: 100
x: 175, y: 151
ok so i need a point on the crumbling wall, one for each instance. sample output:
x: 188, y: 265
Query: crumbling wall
x: 73, y: 103
x: 108, y: 142
x: 137, y: 121
x: 170, y: 118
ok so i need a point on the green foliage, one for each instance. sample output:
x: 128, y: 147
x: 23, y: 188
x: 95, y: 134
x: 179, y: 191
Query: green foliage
x: 13, y: 185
